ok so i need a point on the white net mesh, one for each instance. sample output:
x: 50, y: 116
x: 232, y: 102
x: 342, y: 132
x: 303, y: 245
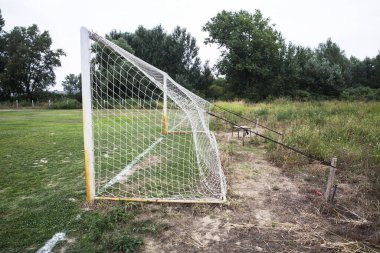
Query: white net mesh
x: 151, y: 135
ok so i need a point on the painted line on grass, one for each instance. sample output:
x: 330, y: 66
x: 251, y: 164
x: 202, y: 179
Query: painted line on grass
x: 120, y: 176
x: 127, y: 168
x: 51, y: 243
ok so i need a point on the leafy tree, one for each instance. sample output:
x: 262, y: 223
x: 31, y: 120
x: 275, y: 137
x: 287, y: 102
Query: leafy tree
x: 332, y: 52
x: 363, y: 72
x: 72, y: 84
x: 290, y: 70
x: 2, y: 22
x: 376, y: 75
x: 219, y: 90
x: 116, y: 37
x: 2, y: 55
x: 250, y: 48
x: 29, y: 61
x: 323, y: 77
x: 175, y: 53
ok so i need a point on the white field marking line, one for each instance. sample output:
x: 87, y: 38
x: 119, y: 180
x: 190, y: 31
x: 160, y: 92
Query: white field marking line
x: 126, y: 169
x: 49, y: 245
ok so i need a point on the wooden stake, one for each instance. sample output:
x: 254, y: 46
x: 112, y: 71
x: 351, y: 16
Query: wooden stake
x: 256, y: 127
x: 330, y: 181
x: 243, y: 136
x: 280, y: 140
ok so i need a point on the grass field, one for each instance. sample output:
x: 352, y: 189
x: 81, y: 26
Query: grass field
x: 43, y: 189
x: 134, y: 159
x: 42, y: 186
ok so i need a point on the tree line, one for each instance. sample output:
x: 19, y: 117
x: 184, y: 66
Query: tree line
x: 256, y: 62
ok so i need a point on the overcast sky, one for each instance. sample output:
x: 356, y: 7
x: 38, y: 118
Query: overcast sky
x: 353, y: 24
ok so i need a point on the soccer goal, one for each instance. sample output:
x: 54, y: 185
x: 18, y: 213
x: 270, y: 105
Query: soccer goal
x: 146, y: 137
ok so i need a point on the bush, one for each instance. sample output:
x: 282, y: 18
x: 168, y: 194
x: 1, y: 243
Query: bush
x: 301, y: 95
x: 360, y: 93
x: 66, y: 104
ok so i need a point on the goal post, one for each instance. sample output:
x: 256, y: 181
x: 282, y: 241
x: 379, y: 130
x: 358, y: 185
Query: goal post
x: 87, y: 115
x: 146, y: 137
x: 164, y: 109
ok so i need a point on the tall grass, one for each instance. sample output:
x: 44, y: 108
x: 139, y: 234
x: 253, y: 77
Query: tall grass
x: 349, y: 131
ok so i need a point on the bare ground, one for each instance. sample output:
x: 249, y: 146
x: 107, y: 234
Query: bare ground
x: 266, y: 211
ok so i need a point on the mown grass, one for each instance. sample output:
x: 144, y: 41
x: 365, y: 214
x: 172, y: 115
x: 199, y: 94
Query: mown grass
x: 42, y: 188
x: 349, y: 131
x: 169, y: 168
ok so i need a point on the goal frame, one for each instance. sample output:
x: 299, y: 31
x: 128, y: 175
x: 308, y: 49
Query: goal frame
x: 89, y: 149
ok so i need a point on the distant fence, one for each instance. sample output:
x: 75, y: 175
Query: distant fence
x: 36, y: 104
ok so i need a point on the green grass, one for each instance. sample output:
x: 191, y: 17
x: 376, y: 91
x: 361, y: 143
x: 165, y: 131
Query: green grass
x: 41, y: 160
x: 121, y: 136
x: 42, y: 188
x: 349, y: 131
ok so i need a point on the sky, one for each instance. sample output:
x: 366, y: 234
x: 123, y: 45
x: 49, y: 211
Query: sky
x: 353, y: 24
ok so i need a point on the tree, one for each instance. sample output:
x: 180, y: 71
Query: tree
x: 2, y: 55
x: 250, y: 52
x: 175, y: 53
x: 376, y: 74
x: 323, y: 77
x: 364, y: 72
x: 29, y: 61
x: 332, y: 53
x: 72, y: 84
x: 2, y: 22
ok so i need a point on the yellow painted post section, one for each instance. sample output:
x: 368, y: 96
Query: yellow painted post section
x: 164, y: 124
x: 88, y: 180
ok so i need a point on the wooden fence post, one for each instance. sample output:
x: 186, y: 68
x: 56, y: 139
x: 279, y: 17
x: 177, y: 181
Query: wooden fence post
x: 330, y: 181
x: 256, y: 127
x: 17, y: 104
x: 243, y: 136
x: 280, y: 140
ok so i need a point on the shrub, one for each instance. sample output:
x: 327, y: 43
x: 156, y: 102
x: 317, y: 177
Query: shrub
x: 360, y: 93
x: 66, y: 104
x: 301, y: 95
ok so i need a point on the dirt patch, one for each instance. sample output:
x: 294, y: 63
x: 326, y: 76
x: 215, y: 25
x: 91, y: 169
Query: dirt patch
x: 266, y: 211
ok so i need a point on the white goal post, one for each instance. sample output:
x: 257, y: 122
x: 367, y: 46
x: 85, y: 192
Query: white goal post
x: 146, y: 137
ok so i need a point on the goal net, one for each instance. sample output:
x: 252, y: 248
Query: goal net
x: 147, y: 138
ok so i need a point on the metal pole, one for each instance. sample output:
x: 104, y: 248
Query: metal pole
x: 165, y: 109
x: 87, y: 116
